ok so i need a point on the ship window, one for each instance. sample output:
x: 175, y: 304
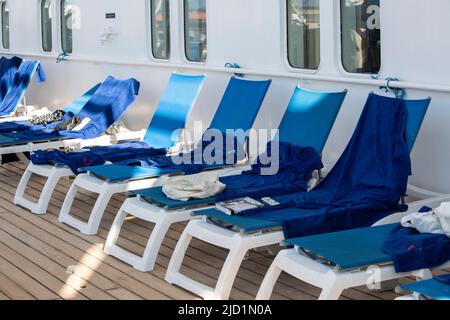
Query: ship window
x: 303, y: 34
x: 66, y: 12
x: 360, y: 36
x: 46, y: 25
x: 195, y: 30
x: 160, y: 25
x: 5, y: 24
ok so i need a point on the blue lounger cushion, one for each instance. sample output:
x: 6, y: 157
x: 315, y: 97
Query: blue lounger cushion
x: 349, y: 249
x: 118, y: 173
x: 245, y: 225
x: 433, y: 289
x: 156, y: 195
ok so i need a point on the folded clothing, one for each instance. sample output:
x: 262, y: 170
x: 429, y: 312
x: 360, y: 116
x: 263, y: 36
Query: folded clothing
x: 364, y: 186
x: 198, y: 186
x: 295, y: 169
x: 209, y: 153
x: 95, y: 155
x: 430, y: 221
x: 411, y: 250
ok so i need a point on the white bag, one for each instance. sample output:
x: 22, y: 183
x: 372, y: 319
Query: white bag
x: 198, y: 186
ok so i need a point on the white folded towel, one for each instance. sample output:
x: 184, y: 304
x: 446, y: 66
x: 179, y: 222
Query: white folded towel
x: 198, y: 186
x: 435, y: 222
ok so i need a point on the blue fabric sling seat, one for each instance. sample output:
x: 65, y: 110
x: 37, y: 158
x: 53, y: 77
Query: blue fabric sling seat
x: 435, y: 289
x: 237, y: 110
x: 171, y: 114
x: 104, y: 108
x: 72, y: 109
x: 367, y: 182
x: 8, y: 69
x: 22, y: 79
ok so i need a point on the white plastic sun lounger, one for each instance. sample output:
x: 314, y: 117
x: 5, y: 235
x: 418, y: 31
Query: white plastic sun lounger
x: 113, y: 179
x: 158, y: 135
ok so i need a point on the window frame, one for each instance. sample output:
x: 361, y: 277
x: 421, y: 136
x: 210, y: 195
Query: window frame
x: 340, y: 56
x: 41, y: 27
x: 151, y: 34
x: 183, y: 34
x: 2, y: 6
x: 61, y: 26
x: 285, y: 37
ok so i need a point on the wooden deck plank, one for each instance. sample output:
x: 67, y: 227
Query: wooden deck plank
x: 59, y: 246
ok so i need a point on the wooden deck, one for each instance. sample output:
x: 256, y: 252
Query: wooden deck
x: 41, y: 258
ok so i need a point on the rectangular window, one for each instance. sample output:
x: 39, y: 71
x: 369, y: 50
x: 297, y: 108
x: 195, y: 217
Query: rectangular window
x: 5, y: 25
x: 160, y: 24
x: 66, y: 12
x: 46, y: 25
x: 195, y: 30
x: 303, y: 34
x: 360, y: 36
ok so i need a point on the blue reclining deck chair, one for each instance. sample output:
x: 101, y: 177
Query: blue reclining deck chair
x: 307, y: 123
x: 240, y: 95
x: 339, y: 255
x: 171, y: 114
x: 433, y: 289
x: 8, y: 69
x: 21, y: 81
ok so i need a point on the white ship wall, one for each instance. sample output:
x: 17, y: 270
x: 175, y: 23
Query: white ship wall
x: 415, y: 48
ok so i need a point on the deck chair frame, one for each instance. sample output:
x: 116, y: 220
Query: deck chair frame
x: 238, y: 244
x: 107, y: 190
x: 163, y: 218
x: 54, y: 174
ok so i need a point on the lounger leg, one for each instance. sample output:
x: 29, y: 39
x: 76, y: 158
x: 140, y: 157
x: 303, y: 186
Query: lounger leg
x: 229, y: 271
x: 97, y: 213
x: 332, y: 291
x: 20, y: 192
x: 176, y: 261
x: 270, y: 279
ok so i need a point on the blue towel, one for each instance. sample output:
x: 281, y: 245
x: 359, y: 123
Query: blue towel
x: 225, y: 154
x: 296, y: 166
x: 21, y: 81
x: 21, y: 126
x: 104, y: 108
x: 95, y: 156
x: 8, y: 69
x: 365, y: 185
x: 444, y: 279
x: 411, y: 250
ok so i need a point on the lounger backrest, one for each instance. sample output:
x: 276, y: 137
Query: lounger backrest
x: 8, y: 69
x: 76, y: 106
x: 240, y: 104
x: 20, y: 84
x: 417, y: 109
x: 309, y: 118
x: 173, y: 109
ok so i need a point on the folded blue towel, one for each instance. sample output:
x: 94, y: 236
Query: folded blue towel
x: 411, y: 250
x: 21, y: 81
x: 365, y: 185
x: 8, y: 69
x: 95, y: 156
x: 104, y: 108
x: 223, y: 154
